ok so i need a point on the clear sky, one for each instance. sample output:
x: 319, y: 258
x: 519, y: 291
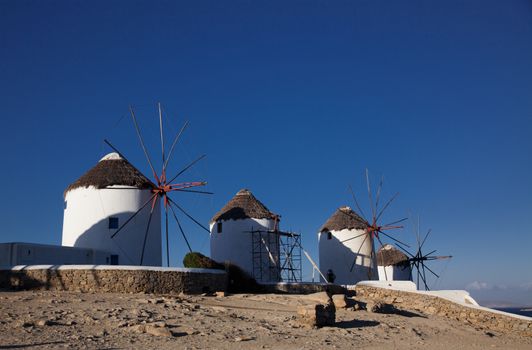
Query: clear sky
x: 293, y: 100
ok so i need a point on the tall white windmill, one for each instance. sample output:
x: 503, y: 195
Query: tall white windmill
x: 116, y: 208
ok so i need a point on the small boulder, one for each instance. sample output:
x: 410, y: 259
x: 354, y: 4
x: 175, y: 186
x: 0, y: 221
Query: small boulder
x: 317, y: 315
x: 158, y: 331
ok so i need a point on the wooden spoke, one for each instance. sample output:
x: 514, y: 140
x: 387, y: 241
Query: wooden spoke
x: 148, y: 230
x: 132, y: 216
x: 166, y: 226
x: 187, y: 214
x: 387, y: 205
x: 173, y: 145
x: 188, y: 167
x: 361, y: 212
x: 142, y: 142
x: 180, y: 228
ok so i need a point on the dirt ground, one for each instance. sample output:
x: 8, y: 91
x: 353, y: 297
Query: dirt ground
x: 55, y: 320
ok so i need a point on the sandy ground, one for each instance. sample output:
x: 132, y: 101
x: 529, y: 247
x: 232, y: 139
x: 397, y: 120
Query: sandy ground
x: 54, y: 320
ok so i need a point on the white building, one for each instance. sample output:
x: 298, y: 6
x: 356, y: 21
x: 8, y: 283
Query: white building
x: 243, y: 233
x: 346, y: 249
x: 101, y: 201
x: 393, y: 264
x: 20, y: 253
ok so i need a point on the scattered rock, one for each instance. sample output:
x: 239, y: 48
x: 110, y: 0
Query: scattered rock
x: 220, y: 294
x: 27, y: 324
x: 380, y: 308
x: 317, y: 315
x: 238, y: 339
x: 42, y: 323
x: 138, y: 328
x: 158, y: 331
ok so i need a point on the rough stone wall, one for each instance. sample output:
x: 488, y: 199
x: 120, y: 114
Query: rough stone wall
x: 433, y: 305
x: 302, y: 288
x: 115, y: 281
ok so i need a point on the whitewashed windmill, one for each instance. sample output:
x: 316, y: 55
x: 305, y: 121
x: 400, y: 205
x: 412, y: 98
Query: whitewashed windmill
x: 345, y: 249
x: 232, y: 232
x: 348, y: 251
x: 116, y: 208
x: 393, y: 264
x: 419, y: 260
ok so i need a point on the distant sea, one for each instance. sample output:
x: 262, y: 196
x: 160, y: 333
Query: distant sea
x: 516, y: 310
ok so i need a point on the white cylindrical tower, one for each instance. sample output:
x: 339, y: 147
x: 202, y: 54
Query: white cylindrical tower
x: 243, y: 233
x: 346, y: 249
x: 101, y: 201
x: 393, y: 264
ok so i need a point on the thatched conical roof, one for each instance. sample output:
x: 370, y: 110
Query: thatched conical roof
x: 244, y: 205
x: 389, y: 255
x: 112, y: 170
x: 344, y: 218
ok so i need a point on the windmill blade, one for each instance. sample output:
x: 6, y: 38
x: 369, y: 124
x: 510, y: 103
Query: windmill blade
x: 354, y: 237
x: 417, y: 234
x: 188, y: 167
x: 142, y: 142
x: 187, y: 214
x: 377, y: 197
x: 428, y: 268
x: 370, y: 266
x: 166, y: 226
x: 384, y: 267
x: 356, y: 203
x: 161, y: 131
x: 406, y: 251
x: 132, y: 216
x: 387, y: 205
x: 147, y: 231
x: 424, y: 277
x: 426, y: 255
x: 396, y: 222
x: 120, y: 154
x: 180, y: 228
x: 373, y: 211
x: 358, y: 252
x: 440, y: 257
x: 424, y: 239
x: 173, y: 144
x: 418, y: 274
x: 193, y: 191
x: 394, y: 239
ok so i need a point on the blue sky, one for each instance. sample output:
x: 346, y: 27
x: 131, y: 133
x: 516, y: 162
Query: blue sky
x: 292, y: 100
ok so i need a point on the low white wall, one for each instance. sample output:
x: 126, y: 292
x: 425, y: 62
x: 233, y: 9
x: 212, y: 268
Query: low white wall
x: 19, y: 253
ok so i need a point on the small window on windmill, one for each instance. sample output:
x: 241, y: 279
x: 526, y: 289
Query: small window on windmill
x: 219, y: 227
x: 66, y: 204
x: 329, y: 235
x: 114, y: 259
x: 113, y: 222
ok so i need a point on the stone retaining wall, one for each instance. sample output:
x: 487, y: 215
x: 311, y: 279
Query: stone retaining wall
x: 302, y: 288
x: 157, y: 281
x: 433, y: 305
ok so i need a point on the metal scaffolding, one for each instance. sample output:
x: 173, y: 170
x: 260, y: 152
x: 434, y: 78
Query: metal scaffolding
x: 276, y: 256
